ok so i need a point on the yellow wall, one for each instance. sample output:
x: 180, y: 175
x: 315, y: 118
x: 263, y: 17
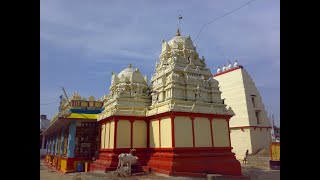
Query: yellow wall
x: 83, y: 116
x: 139, y: 134
x: 220, y: 133
x: 91, y: 104
x: 103, y: 136
x: 183, y: 132
x: 63, y: 165
x: 166, y: 135
x: 106, y: 139
x: 154, y: 133
x: 84, y: 103
x: 111, y: 143
x: 123, y: 134
x: 202, y: 132
x: 275, y: 151
x: 98, y: 104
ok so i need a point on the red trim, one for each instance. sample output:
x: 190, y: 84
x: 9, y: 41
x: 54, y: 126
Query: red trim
x: 119, y: 118
x: 241, y: 127
x: 210, y: 120
x: 172, y: 131
x: 159, y: 132
x: 193, y: 141
x: 131, y: 135
x: 226, y: 71
x: 115, y: 133
x: 170, y: 113
x: 192, y: 149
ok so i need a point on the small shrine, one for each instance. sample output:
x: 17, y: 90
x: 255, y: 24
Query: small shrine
x: 72, y: 134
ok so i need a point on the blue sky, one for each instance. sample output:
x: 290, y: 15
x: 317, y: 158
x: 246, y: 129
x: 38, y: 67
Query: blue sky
x: 82, y: 42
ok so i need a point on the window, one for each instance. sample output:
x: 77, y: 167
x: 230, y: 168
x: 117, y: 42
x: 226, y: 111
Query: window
x: 258, y: 117
x: 253, y: 100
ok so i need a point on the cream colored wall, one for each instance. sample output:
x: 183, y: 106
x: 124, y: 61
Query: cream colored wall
x: 139, y: 134
x: 202, y: 132
x: 251, y: 89
x: 183, y: 131
x: 111, y: 143
x: 154, y: 133
x: 103, y: 127
x: 106, y: 144
x: 123, y: 134
x: 166, y: 135
x: 233, y: 90
x: 260, y: 139
x: 220, y: 133
x: 240, y: 142
x: 237, y: 87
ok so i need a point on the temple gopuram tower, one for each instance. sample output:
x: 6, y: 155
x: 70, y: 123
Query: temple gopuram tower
x: 250, y: 127
x: 189, y: 123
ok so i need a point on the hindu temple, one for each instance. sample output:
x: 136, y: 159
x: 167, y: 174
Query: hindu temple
x: 177, y: 121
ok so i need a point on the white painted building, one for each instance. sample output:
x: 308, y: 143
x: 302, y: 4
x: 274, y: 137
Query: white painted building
x: 250, y: 127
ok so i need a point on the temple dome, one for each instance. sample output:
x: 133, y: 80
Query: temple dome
x: 126, y: 72
x: 179, y: 42
x: 131, y: 75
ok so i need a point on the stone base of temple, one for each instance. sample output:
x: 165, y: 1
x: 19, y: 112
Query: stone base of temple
x: 194, y: 162
x: 197, y: 162
x: 108, y: 159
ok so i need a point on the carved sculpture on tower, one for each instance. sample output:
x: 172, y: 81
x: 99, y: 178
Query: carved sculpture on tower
x: 181, y: 77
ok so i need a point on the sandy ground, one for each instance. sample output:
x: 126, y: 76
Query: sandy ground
x: 256, y: 173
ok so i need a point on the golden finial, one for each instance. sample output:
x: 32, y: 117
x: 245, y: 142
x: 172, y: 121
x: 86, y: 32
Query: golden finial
x: 178, y: 31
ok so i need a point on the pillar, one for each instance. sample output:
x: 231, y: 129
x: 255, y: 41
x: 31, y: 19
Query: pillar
x: 62, y: 144
x: 48, y: 141
x: 71, y: 139
x: 52, y: 144
x: 43, y: 141
x: 56, y: 144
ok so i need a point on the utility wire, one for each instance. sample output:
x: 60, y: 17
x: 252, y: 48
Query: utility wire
x: 222, y: 17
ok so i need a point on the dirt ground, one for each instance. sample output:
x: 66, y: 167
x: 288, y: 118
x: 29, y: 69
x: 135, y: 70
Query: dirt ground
x: 256, y: 173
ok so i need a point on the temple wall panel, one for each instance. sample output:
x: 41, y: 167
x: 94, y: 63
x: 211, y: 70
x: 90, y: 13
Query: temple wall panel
x: 139, y: 134
x: 165, y: 132
x: 183, y: 131
x: 123, y: 134
x: 202, y: 132
x: 107, y: 134
x: 154, y: 133
x: 111, y: 142
x: 220, y: 133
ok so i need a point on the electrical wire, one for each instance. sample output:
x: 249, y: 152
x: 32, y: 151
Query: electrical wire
x: 222, y: 17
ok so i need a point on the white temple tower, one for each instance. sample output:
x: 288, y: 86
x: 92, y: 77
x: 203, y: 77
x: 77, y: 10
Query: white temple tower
x: 250, y: 127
